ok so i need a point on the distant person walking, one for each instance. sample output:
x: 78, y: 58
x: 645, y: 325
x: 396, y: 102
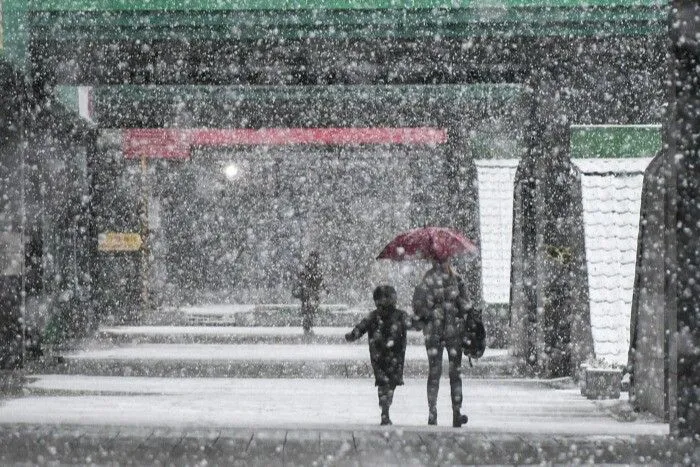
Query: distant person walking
x: 308, y: 290
x: 440, y: 306
x: 386, y: 328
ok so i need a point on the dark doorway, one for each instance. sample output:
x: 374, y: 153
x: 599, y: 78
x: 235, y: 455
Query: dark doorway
x: 239, y: 220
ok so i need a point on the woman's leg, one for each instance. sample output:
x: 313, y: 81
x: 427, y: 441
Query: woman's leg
x: 434, y: 350
x: 454, y: 355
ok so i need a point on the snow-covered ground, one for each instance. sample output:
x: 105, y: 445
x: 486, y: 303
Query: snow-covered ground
x: 220, y: 330
x: 250, y: 352
x: 494, y: 406
x: 232, y: 308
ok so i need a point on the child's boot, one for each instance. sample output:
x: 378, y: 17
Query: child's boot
x: 385, y: 417
x: 432, y: 415
x: 385, y: 404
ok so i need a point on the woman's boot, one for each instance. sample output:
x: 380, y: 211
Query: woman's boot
x: 459, y: 419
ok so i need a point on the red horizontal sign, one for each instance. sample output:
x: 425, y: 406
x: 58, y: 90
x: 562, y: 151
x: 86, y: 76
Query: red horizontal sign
x: 177, y: 143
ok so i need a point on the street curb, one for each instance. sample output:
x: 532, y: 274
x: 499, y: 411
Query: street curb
x: 348, y: 445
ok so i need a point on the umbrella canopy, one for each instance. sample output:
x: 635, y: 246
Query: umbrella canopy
x: 439, y: 243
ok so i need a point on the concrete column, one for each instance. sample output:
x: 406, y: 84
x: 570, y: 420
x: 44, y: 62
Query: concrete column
x: 647, y: 361
x: 462, y: 201
x: 684, y: 151
x: 12, y: 145
x: 523, y: 284
x: 549, y: 284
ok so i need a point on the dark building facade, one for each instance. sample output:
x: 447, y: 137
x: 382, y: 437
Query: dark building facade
x: 537, y: 66
x: 45, y: 216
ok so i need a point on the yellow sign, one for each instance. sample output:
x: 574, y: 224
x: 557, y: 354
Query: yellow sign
x: 119, y: 241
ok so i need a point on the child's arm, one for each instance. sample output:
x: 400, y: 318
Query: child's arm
x: 359, y: 330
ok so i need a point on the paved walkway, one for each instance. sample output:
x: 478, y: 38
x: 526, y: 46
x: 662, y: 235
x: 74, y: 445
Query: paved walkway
x: 222, y: 421
x: 494, y: 406
x: 316, y: 411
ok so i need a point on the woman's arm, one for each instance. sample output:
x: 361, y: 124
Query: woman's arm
x: 420, y: 302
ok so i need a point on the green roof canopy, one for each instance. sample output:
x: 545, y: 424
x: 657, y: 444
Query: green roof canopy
x: 211, y: 5
x: 89, y: 24
x: 342, y: 19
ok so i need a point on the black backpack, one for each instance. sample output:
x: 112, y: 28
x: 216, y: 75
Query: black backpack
x: 474, y: 338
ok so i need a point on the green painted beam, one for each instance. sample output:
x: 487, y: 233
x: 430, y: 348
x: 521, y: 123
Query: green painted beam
x: 211, y: 5
x: 222, y: 94
x: 615, y: 141
x: 344, y: 24
x: 243, y: 106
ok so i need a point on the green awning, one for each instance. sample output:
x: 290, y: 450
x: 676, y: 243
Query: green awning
x: 614, y: 141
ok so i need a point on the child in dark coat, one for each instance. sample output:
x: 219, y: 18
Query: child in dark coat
x: 386, y: 330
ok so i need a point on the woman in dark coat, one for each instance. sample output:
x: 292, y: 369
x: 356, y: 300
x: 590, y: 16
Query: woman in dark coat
x: 439, y: 303
x: 386, y: 330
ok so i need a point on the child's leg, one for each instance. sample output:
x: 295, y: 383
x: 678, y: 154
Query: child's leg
x: 386, y: 397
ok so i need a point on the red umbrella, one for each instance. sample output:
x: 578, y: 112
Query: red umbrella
x: 438, y: 243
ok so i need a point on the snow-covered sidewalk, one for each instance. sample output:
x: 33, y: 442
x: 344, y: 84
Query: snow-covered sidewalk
x: 232, y: 308
x: 270, y: 314
x: 233, y: 334
x: 494, y: 406
x: 224, y: 331
x: 249, y: 352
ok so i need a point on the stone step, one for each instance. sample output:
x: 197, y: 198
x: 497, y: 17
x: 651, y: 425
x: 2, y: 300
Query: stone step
x: 329, y: 315
x: 255, y: 361
x: 231, y: 335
